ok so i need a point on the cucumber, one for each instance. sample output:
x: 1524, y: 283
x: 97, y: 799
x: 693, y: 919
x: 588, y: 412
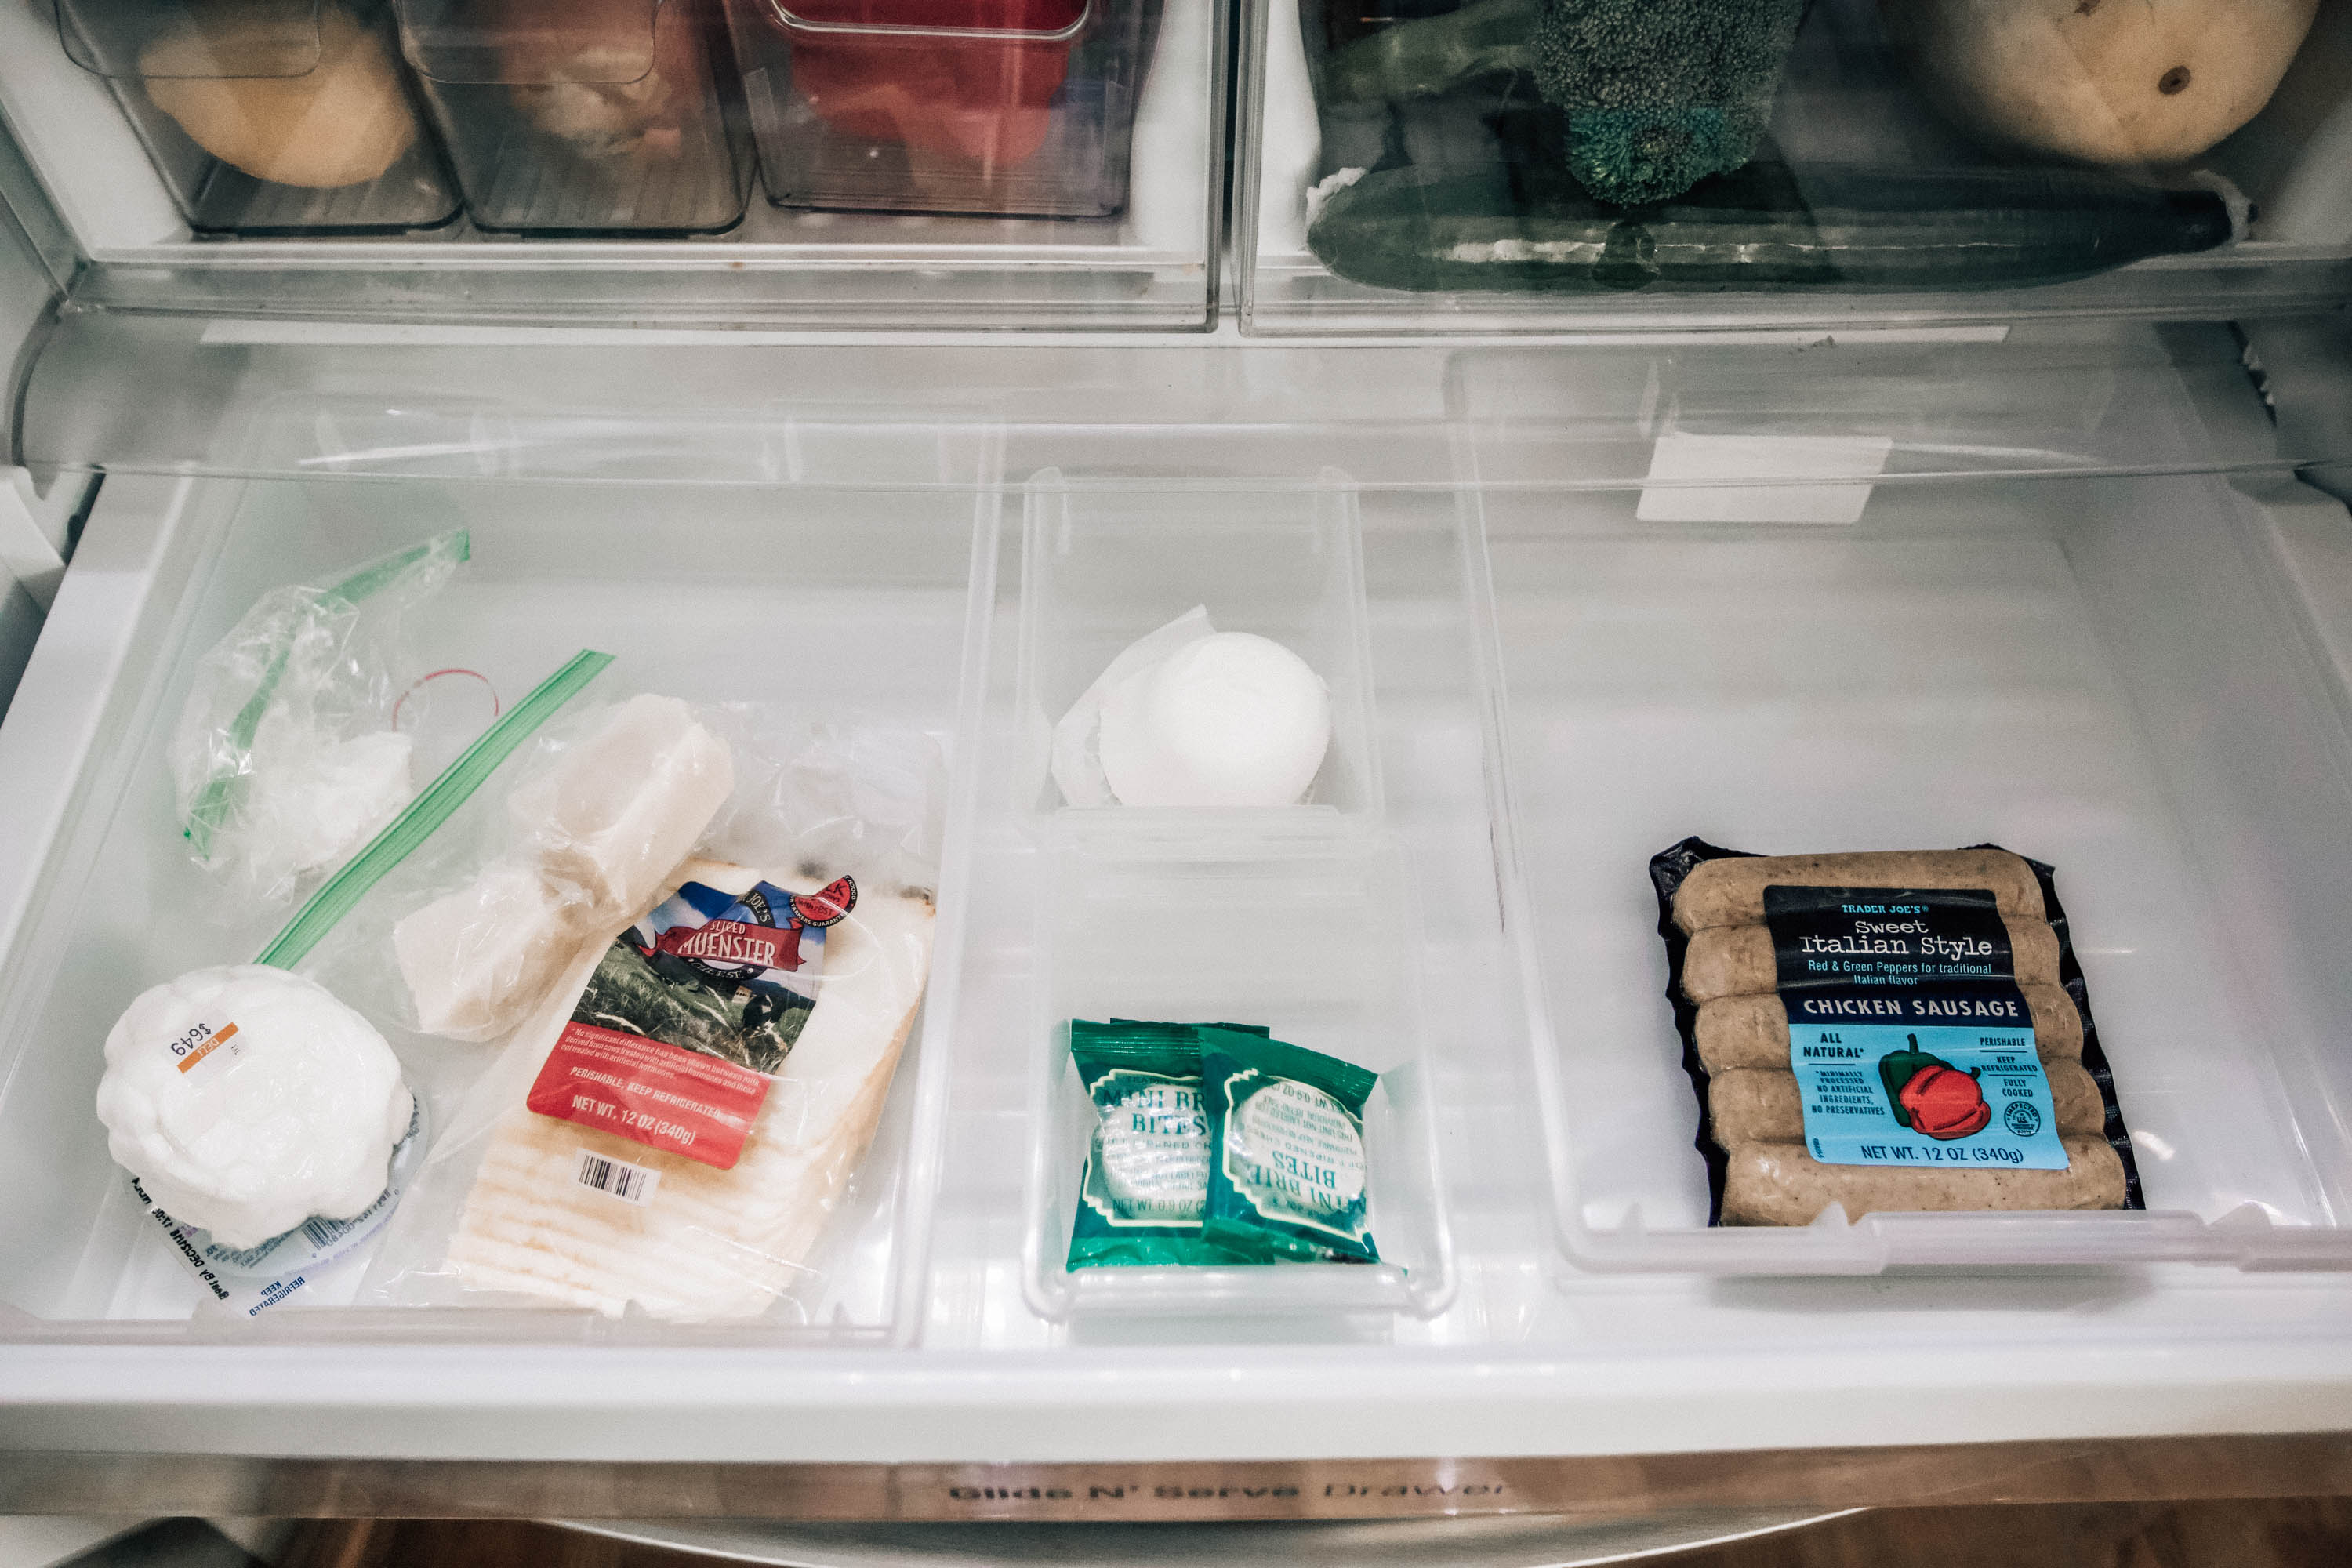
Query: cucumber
x: 1765, y: 227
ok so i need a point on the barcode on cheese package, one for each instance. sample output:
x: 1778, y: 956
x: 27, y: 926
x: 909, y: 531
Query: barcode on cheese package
x: 616, y: 1178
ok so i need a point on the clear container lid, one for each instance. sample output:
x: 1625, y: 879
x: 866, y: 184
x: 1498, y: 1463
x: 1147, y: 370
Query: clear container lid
x: 1005, y: 21
x: 533, y: 43
x: 192, y: 39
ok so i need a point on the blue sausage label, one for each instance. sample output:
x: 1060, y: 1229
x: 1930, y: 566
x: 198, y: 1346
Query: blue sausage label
x: 1909, y: 1038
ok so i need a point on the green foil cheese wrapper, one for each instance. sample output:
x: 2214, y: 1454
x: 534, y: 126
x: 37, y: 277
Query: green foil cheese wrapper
x: 1144, y: 1188
x: 1288, y: 1177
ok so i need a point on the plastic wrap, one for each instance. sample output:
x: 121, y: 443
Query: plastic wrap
x: 688, y: 1093
x: 1077, y: 735
x: 269, y: 1127
x: 286, y: 758
x: 590, y: 837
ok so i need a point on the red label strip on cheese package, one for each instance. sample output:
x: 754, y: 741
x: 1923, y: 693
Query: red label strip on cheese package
x: 662, y: 1096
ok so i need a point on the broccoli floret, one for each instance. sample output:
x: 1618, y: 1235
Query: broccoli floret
x: 1659, y: 94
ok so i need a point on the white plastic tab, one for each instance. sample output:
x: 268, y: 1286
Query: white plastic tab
x: 2315, y: 543
x: 1761, y: 478
x: 33, y: 533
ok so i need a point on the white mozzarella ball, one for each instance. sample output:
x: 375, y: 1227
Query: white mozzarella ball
x: 1231, y: 720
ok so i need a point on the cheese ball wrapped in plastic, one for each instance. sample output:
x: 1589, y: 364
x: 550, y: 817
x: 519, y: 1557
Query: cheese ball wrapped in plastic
x: 249, y: 1100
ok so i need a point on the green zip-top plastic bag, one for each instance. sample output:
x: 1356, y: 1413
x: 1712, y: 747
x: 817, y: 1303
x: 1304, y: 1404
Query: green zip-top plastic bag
x: 286, y: 757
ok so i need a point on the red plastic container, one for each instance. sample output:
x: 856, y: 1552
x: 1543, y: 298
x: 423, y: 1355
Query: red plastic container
x: 972, y: 78
x: 1008, y: 107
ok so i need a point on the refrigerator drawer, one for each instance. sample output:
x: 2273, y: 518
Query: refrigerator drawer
x: 2125, y: 670
x: 877, y: 635
x: 1776, y: 691
x: 599, y: 165
x: 1526, y: 165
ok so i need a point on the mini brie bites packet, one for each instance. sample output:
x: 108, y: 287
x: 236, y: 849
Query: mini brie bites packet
x: 1287, y: 1179
x: 1146, y: 1181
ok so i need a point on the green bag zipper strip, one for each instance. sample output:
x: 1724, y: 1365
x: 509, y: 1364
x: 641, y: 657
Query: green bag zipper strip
x: 420, y: 818
x: 212, y: 805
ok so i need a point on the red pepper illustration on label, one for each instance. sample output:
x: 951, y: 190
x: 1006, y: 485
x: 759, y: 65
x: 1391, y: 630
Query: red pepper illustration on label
x: 1930, y: 1096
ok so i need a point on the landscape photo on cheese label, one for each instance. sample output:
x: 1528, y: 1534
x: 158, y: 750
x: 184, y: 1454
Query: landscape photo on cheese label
x: 688, y: 1012
x: 728, y: 975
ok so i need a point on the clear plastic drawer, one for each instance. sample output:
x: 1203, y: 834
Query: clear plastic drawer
x: 1548, y: 165
x: 267, y: 119
x: 633, y: 163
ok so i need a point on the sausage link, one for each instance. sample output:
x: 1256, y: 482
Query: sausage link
x: 1731, y: 892
x: 1736, y: 1032
x: 1757, y: 1105
x: 1780, y: 1184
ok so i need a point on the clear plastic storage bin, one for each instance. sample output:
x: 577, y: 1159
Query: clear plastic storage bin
x: 1538, y: 164
x: 2103, y: 671
x: 1306, y: 944
x: 616, y: 117
x: 622, y: 129
x: 268, y: 117
x: 1013, y: 108
x: 874, y: 594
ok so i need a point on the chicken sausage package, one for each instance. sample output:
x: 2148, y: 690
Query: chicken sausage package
x: 1901, y: 1030
x: 701, y: 935
x: 289, y: 751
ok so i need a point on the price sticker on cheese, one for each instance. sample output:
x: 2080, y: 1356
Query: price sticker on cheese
x: 206, y: 1043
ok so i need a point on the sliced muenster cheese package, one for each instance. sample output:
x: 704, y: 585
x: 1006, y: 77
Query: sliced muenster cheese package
x: 674, y: 1123
x: 649, y: 1162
